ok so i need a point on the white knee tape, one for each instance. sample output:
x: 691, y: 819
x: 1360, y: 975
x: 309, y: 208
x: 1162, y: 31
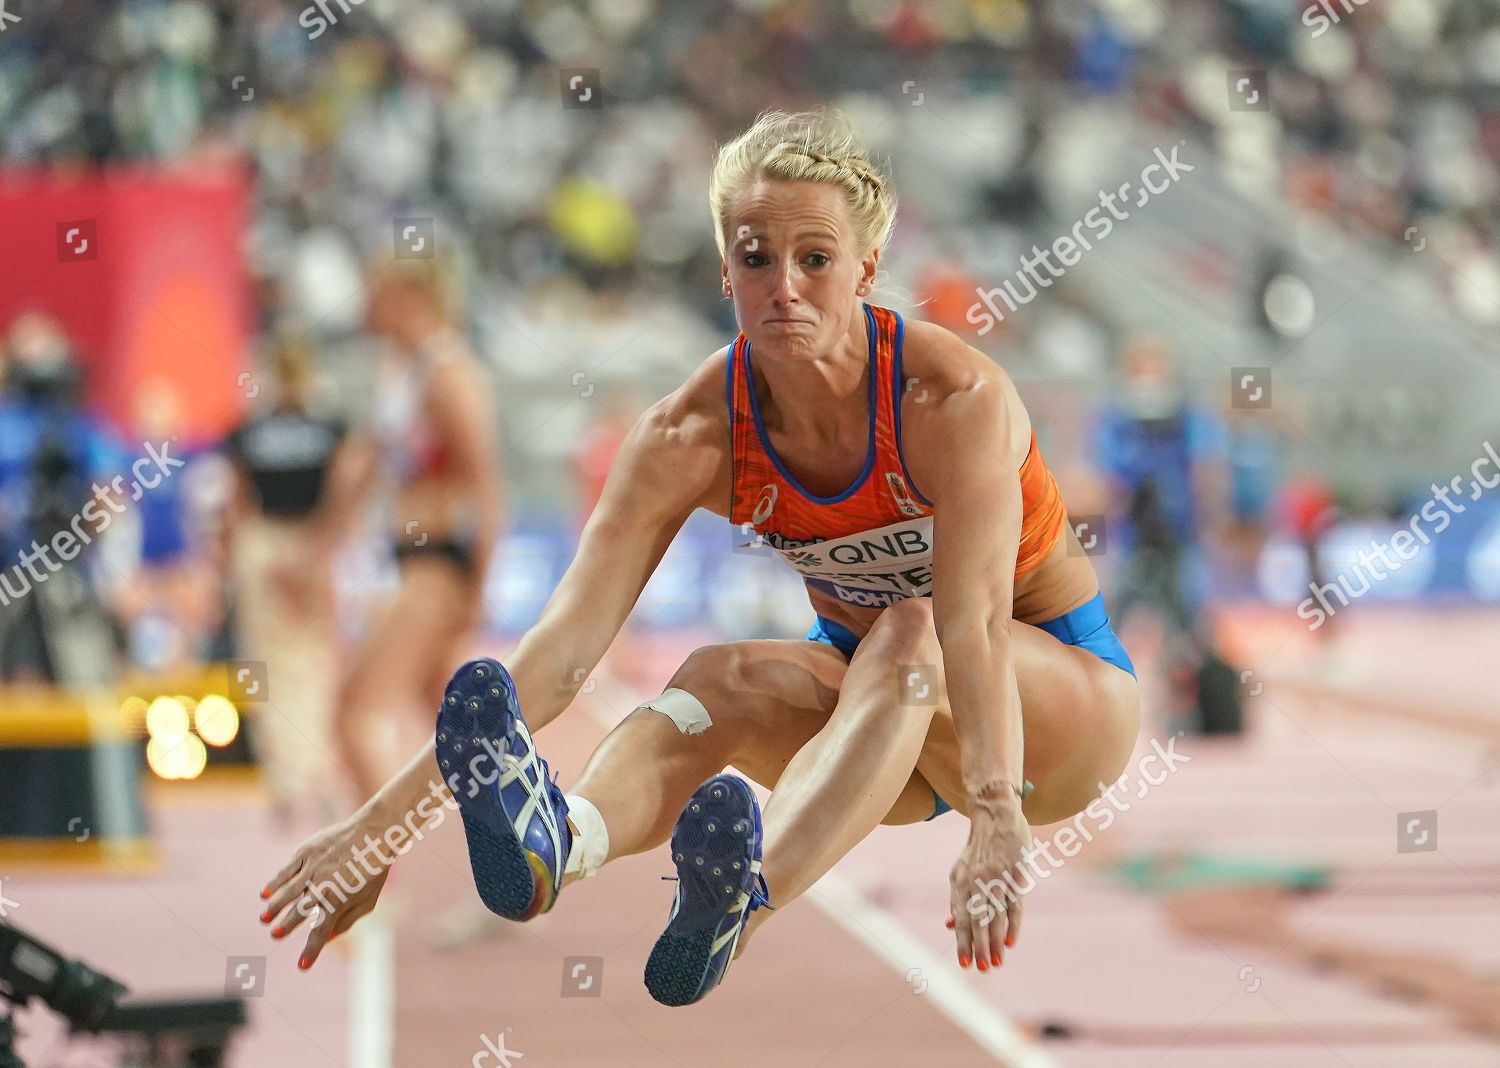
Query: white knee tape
x: 683, y: 709
x: 591, y: 844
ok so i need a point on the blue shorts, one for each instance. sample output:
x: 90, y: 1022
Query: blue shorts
x: 1087, y: 627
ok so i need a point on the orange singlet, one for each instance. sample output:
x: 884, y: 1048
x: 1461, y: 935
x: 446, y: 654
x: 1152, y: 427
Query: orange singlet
x: 870, y: 545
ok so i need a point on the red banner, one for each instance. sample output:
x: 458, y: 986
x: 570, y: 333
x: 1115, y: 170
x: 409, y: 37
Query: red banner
x: 145, y: 271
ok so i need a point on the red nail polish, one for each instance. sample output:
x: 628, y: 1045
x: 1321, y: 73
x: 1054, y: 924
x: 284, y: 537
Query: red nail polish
x: 963, y: 960
x: 304, y: 964
x: 265, y: 917
x: 995, y: 959
x: 279, y: 932
x: 982, y: 965
x: 265, y: 894
x: 1010, y: 940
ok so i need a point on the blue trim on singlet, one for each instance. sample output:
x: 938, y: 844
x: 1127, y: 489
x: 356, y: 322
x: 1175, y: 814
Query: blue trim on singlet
x: 729, y: 392
x: 770, y: 451
x: 898, y: 390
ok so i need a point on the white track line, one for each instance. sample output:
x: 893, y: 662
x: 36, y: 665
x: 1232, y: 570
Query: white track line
x: 883, y: 934
x: 887, y: 937
x: 372, y: 992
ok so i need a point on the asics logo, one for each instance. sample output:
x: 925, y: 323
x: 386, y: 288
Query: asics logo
x: 764, y: 506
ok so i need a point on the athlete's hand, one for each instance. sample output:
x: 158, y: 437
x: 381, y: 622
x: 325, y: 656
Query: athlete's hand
x: 312, y: 885
x: 986, y: 910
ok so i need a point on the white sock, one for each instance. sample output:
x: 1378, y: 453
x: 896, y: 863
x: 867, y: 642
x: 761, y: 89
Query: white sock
x: 590, y: 846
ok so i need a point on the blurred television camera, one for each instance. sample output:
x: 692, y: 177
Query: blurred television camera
x: 191, y: 1033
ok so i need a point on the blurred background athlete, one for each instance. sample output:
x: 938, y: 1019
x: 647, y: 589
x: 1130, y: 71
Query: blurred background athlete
x: 296, y: 499
x: 435, y: 459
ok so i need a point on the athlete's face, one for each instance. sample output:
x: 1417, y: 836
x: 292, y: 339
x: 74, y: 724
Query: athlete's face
x: 793, y: 266
x: 400, y: 310
x: 386, y: 308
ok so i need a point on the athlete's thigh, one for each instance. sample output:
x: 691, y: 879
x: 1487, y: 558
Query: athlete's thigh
x: 1080, y: 717
x: 775, y: 696
x: 767, y: 697
x: 397, y: 658
x: 451, y: 600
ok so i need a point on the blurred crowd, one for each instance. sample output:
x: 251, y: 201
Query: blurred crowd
x: 563, y: 150
x: 1381, y: 117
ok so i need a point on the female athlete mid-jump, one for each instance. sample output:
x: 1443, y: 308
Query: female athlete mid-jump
x: 959, y: 648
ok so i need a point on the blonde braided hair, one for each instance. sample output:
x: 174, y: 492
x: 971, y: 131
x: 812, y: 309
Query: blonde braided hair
x: 865, y: 171
x: 805, y: 146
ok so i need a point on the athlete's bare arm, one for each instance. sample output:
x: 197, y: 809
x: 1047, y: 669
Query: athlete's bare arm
x: 964, y: 451
x: 674, y: 460
x: 353, y: 472
x: 665, y: 469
